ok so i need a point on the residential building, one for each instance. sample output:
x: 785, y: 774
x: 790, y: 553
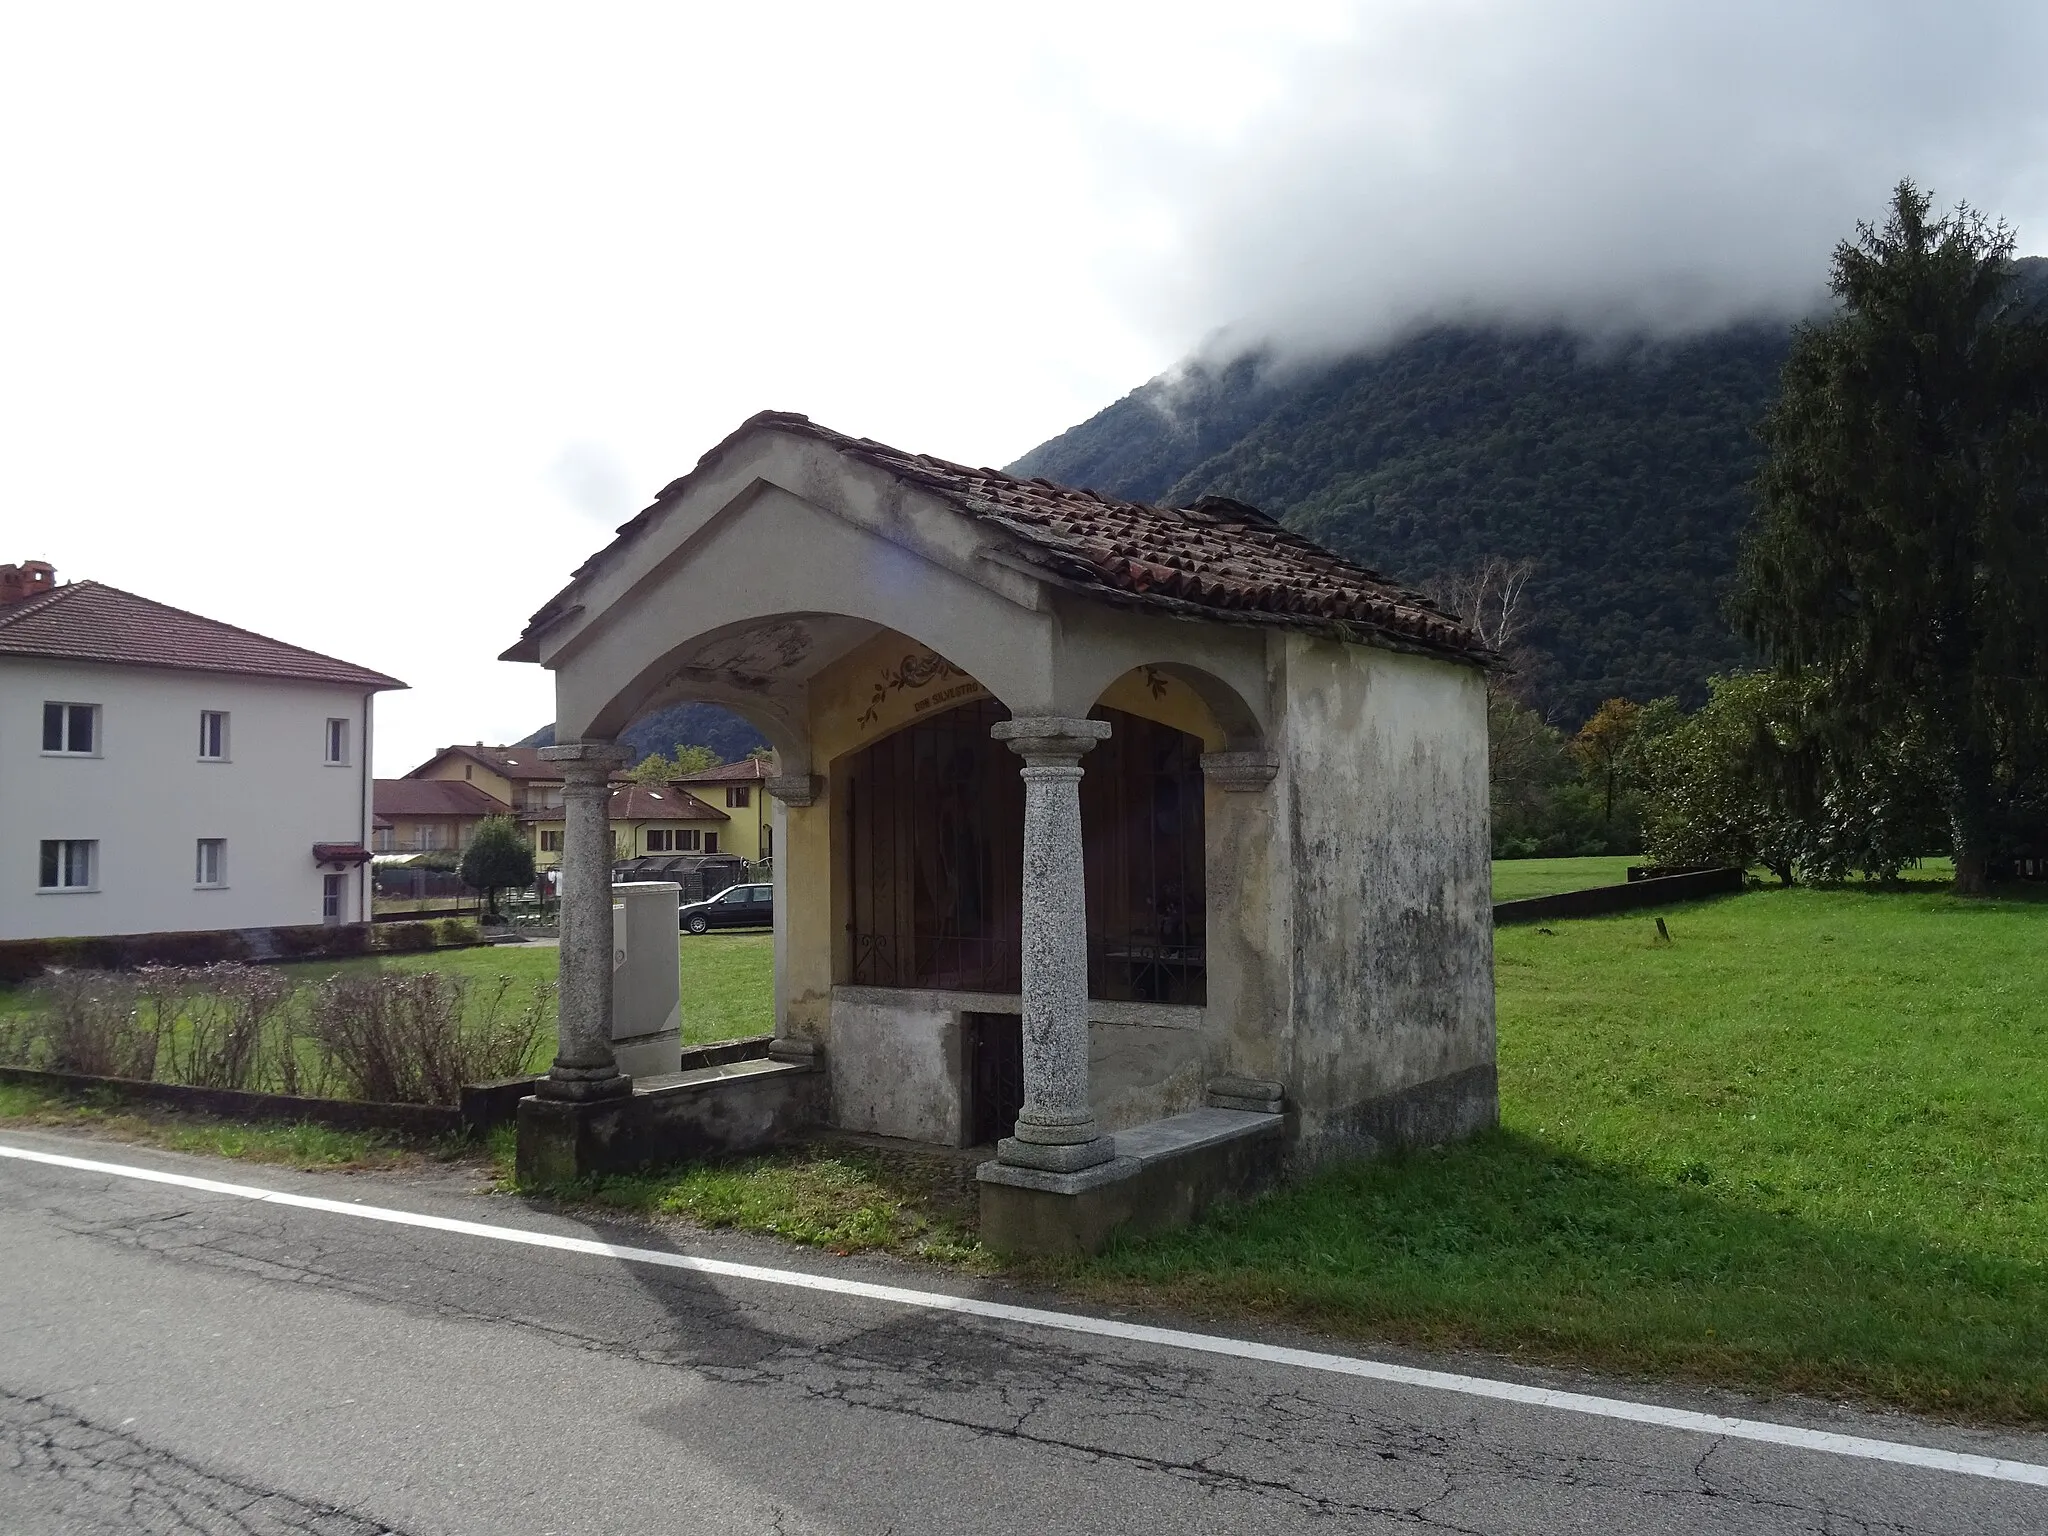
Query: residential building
x: 514, y: 776
x: 429, y: 815
x: 742, y: 790
x: 658, y: 818
x: 162, y: 771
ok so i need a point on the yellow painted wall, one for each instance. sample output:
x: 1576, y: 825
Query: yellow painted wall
x: 450, y: 765
x: 742, y: 834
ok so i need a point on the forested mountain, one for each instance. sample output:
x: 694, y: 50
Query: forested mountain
x: 1619, y: 471
x: 679, y: 725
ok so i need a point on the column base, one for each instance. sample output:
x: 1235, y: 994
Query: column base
x: 1061, y: 1157
x: 584, y: 1085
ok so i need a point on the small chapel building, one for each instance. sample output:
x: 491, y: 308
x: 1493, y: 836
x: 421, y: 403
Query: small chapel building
x: 1089, y: 817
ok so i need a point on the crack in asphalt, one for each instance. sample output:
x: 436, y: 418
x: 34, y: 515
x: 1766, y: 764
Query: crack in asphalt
x: 1224, y: 1431
x: 99, y: 1479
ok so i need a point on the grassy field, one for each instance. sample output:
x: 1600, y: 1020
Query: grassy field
x: 1804, y: 1145
x: 727, y: 978
x: 1514, y: 879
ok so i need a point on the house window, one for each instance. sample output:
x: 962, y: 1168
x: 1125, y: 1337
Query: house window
x: 213, y: 735
x: 739, y: 796
x: 212, y: 864
x: 337, y: 741
x: 767, y: 842
x: 72, y: 729
x: 331, y: 889
x: 711, y: 842
x: 69, y: 864
x: 385, y: 841
x: 551, y: 842
x: 660, y: 842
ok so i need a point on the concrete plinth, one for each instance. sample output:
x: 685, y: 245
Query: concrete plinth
x: 1164, y: 1174
x: 717, y: 1110
x: 563, y: 1140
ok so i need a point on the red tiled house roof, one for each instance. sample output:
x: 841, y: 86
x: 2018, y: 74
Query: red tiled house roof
x: 90, y: 621
x: 643, y: 802
x: 434, y: 797
x: 1218, y: 559
x: 520, y: 764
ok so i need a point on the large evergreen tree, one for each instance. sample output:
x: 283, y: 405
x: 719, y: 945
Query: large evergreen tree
x: 1899, y: 547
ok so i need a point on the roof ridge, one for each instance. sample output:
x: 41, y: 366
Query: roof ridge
x: 46, y: 600
x: 187, y: 613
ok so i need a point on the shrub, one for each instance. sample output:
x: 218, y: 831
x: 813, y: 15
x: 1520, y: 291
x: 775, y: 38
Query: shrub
x: 405, y: 938
x: 223, y: 1026
x: 93, y: 1024
x: 418, y: 1037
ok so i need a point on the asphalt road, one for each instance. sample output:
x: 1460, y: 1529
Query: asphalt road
x: 182, y: 1361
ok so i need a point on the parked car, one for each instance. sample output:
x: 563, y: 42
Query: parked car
x: 744, y: 906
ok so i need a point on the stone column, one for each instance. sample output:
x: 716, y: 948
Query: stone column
x: 584, y: 1066
x: 798, y: 790
x: 1057, y: 1130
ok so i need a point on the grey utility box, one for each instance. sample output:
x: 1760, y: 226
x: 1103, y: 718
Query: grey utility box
x: 647, y: 996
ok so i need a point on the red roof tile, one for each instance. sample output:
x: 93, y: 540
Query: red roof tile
x: 90, y: 621
x: 1218, y: 560
x: 522, y: 764
x: 434, y: 797
x: 643, y: 802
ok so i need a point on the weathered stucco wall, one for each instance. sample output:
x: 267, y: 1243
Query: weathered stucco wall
x: 1386, y: 837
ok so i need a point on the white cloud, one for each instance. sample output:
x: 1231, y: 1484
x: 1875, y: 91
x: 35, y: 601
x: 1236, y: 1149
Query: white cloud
x: 356, y: 326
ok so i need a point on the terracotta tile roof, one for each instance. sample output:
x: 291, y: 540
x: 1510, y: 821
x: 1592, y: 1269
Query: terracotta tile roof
x: 746, y: 770
x: 433, y: 797
x: 643, y: 802
x: 1218, y: 560
x: 521, y: 764
x: 90, y: 621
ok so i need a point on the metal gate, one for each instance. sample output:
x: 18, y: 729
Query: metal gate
x: 995, y: 1075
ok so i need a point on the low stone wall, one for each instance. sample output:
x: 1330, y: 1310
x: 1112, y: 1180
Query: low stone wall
x: 1165, y: 1175
x: 1658, y: 891
x: 421, y: 1120
x: 713, y: 1111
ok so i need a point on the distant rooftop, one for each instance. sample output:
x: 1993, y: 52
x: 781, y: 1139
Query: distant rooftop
x: 91, y: 621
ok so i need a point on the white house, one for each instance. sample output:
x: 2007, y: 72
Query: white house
x: 163, y: 772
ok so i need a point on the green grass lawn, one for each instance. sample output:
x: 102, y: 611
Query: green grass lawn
x: 1803, y: 1146
x: 1514, y: 879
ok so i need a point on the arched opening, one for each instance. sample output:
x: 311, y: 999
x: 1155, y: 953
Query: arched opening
x: 933, y: 819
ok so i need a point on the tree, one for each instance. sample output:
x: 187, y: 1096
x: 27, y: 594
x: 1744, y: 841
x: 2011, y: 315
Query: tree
x: 498, y: 857
x: 1605, y: 748
x: 1756, y: 777
x: 656, y: 769
x: 1489, y: 598
x: 1900, y: 544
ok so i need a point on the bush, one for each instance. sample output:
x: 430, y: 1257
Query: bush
x: 405, y: 938
x: 223, y: 1026
x: 94, y: 1025
x: 419, y: 1037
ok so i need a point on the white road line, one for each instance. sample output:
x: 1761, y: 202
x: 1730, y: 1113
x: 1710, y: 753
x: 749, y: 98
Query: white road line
x: 1072, y: 1322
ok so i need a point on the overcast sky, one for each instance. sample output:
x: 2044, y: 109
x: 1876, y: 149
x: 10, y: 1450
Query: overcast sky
x: 361, y: 326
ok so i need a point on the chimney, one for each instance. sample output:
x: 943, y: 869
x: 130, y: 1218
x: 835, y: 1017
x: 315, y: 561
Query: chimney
x: 31, y: 578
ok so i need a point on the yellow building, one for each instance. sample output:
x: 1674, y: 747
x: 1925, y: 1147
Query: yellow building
x: 741, y: 788
x: 658, y: 818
